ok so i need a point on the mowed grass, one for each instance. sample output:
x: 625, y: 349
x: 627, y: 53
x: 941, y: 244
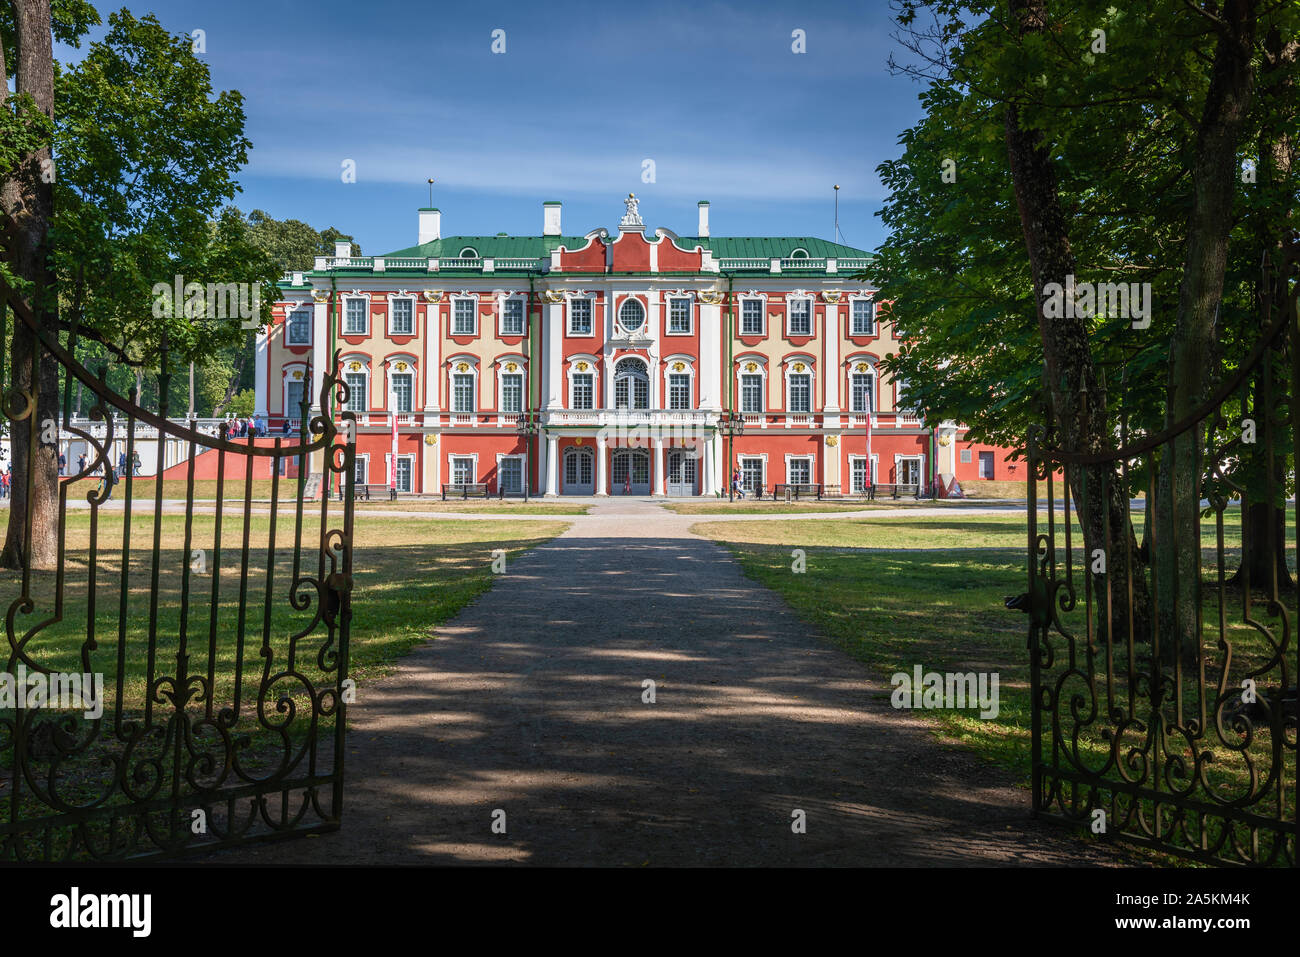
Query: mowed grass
x: 929, y: 591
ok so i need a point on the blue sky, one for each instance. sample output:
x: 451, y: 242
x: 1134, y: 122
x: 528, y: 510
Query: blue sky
x: 583, y: 94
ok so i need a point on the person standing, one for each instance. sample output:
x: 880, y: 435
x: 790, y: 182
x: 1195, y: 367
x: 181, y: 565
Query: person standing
x: 81, y: 463
x: 135, y: 462
x: 63, y: 464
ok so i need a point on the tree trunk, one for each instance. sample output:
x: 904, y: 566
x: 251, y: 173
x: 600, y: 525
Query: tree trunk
x: 1215, y: 174
x: 27, y: 201
x: 1075, y: 391
x: 233, y: 386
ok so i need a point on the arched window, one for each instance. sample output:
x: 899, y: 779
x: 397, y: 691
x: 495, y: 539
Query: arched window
x: 469, y: 252
x: 799, y: 254
x: 631, y: 385
x: 631, y: 316
x: 579, y: 471
x: 862, y: 387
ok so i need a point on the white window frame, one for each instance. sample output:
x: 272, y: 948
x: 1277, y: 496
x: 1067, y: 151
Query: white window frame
x: 790, y: 301
x: 593, y: 370
x: 811, y: 372
x: 362, y: 463
x: 576, y: 451
x: 471, y: 298
x: 740, y: 467
x: 680, y: 296
x: 452, y: 372
x: 522, y: 372
x: 967, y: 456
x: 622, y: 331
x: 364, y: 372
x: 740, y: 372
x: 451, y: 471
x: 288, y: 323
x: 808, y: 457
x: 649, y: 383
x: 851, y: 369
x: 669, y: 372
x: 411, y: 374
x: 363, y: 297
x: 393, y: 473
x: 900, y: 458
x: 519, y: 457
x: 570, y: 299
x: 761, y: 299
x: 507, y: 297
x: 875, y: 324
x: 392, y: 310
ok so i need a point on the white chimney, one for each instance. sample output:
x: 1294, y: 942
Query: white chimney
x: 704, y: 218
x: 430, y: 225
x: 551, y: 219
x: 342, y: 250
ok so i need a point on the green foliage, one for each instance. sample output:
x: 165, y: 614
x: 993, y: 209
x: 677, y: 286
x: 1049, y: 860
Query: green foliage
x: 292, y: 243
x: 243, y: 403
x: 146, y: 156
x: 1122, y: 125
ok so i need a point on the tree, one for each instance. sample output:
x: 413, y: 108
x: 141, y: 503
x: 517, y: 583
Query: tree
x: 1117, y: 138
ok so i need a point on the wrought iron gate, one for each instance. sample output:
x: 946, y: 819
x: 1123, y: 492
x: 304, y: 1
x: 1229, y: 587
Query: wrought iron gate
x: 1180, y: 737
x: 220, y: 636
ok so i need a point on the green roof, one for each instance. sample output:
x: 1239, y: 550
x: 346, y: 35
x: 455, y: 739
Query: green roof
x: 771, y: 247
x: 490, y: 247
x: 723, y: 247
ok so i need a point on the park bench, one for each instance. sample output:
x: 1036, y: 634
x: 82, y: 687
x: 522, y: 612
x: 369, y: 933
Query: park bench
x: 797, y: 489
x: 465, y: 490
x: 894, y: 491
x: 367, y: 492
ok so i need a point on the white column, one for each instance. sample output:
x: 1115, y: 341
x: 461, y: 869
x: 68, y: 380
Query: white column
x: 706, y: 468
x: 260, y: 373
x: 432, y: 355
x: 658, y: 487
x: 831, y: 362
x: 319, y: 344
x: 602, y: 469
x: 710, y: 364
x: 552, y: 464
x: 721, y: 474
x: 554, y: 327
x: 437, y: 465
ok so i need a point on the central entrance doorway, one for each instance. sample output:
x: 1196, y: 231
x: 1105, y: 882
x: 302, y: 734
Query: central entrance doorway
x: 681, y: 473
x: 579, y: 471
x: 631, y: 472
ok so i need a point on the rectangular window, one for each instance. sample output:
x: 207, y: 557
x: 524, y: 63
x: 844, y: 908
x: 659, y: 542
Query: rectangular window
x: 859, y: 475
x: 356, y: 391
x: 751, y: 317
x: 583, y: 390
x: 462, y: 392
x: 901, y: 401
x: 512, y: 320
x: 800, y: 472
x: 751, y: 474
x: 512, y: 476
x: 293, y: 400
x: 579, y: 317
x: 402, y: 392
x: 355, y: 314
x: 862, y: 394
x: 300, y: 327
x: 405, y: 472
x: 362, y: 464
x: 864, y: 317
x: 512, y: 392
x: 965, y: 456
x: 801, y: 317
x: 463, y: 315
x: 679, y: 315
x: 800, y: 393
x: 751, y: 393
x: 403, y: 322
x: 679, y: 392
x: 462, y: 470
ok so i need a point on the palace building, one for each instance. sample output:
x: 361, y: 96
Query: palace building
x: 608, y: 363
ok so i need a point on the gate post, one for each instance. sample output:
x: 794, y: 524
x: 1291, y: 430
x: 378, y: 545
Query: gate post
x: 1035, y: 713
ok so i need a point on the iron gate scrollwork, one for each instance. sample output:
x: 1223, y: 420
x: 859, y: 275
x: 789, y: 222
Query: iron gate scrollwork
x: 220, y: 635
x: 1178, y: 738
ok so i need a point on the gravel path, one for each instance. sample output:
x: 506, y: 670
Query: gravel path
x: 531, y: 702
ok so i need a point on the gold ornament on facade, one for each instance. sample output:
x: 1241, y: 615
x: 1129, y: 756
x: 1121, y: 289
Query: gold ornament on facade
x: 832, y: 441
x: 297, y: 374
x: 354, y: 366
x: 710, y: 297
x: 433, y: 295
x: 799, y: 367
x: 462, y: 367
x: 679, y: 366
x: 553, y: 296
x: 751, y: 366
x: 945, y: 440
x: 511, y: 367
x: 862, y: 367
x: 583, y: 367
x: 401, y: 367
x: 578, y: 440
x: 320, y: 295
x: 430, y: 439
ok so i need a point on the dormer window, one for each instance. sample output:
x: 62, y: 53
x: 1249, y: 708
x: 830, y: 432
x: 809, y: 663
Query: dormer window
x: 469, y: 252
x: 800, y: 253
